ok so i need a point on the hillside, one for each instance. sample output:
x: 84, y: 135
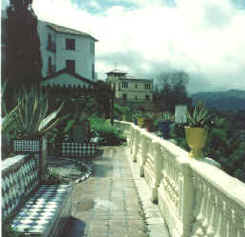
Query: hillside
x: 225, y: 100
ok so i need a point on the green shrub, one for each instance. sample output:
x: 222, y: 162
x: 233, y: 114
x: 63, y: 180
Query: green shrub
x: 110, y: 135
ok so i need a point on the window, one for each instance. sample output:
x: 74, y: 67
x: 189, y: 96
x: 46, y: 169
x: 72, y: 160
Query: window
x: 49, y: 64
x: 124, y: 84
x: 70, y: 44
x: 70, y: 65
x: 49, y: 39
x: 93, y: 72
x: 51, y: 67
x: 136, y: 97
x: 124, y: 96
x: 148, y: 86
x: 92, y: 47
x: 136, y: 86
x: 51, y: 44
x: 147, y: 97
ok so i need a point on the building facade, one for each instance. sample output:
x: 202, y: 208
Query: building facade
x: 63, y: 47
x: 3, y: 43
x: 128, y: 90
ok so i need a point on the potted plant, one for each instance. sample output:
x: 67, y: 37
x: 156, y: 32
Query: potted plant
x: 164, y: 124
x: 148, y: 122
x: 31, y: 116
x: 135, y: 117
x: 196, y: 130
x: 141, y: 116
x: 32, y: 122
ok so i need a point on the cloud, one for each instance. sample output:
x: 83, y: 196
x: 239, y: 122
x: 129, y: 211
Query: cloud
x: 95, y: 5
x: 204, y: 38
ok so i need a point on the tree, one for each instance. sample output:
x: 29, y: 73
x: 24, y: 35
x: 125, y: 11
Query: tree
x: 104, y: 96
x: 171, y: 90
x: 23, y: 61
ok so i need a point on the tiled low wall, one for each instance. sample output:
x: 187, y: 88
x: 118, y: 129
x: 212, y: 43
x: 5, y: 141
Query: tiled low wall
x: 195, y: 197
x: 83, y: 150
x: 37, y: 146
x: 27, y: 146
x: 20, y: 177
x: 32, y: 208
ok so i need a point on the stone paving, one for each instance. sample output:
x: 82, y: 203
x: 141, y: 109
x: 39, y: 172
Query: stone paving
x: 108, y: 204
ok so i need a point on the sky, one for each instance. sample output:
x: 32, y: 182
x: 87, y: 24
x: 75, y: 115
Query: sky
x: 204, y: 38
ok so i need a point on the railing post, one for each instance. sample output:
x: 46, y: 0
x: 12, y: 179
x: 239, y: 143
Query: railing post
x: 186, y: 198
x: 136, y: 144
x: 144, y: 145
x: 156, y: 150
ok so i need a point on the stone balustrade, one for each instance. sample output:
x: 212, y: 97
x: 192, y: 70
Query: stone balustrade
x: 195, y: 197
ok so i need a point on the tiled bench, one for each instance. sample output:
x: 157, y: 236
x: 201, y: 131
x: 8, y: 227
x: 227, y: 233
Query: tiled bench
x: 79, y: 150
x: 32, y: 208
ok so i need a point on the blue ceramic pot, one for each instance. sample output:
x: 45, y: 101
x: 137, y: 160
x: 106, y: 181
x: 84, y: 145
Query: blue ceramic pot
x: 135, y: 121
x: 164, y: 127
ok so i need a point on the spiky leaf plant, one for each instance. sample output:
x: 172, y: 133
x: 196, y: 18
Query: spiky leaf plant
x: 31, y: 114
x: 200, y: 117
x: 7, y: 116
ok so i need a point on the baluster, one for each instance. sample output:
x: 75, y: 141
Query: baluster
x: 211, y: 213
x: 144, y: 153
x: 223, y: 219
x: 136, y: 145
x: 200, y: 216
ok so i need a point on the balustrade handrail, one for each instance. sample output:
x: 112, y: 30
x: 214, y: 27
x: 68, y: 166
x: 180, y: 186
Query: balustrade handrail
x: 230, y: 186
x: 195, y: 198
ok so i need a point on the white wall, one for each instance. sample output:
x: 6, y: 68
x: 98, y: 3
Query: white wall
x: 43, y: 35
x: 82, y: 54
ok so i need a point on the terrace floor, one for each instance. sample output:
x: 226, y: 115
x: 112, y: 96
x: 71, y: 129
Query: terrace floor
x: 114, y: 202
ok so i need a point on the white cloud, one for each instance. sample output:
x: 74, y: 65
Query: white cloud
x: 203, y: 37
x: 95, y: 5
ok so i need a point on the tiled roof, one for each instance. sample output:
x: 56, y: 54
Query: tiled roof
x: 62, y: 29
x: 116, y: 71
x: 136, y: 79
x: 75, y: 75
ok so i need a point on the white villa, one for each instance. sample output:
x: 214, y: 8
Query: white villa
x: 63, y: 47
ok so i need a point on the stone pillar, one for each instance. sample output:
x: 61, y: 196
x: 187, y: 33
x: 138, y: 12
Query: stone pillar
x: 187, y: 199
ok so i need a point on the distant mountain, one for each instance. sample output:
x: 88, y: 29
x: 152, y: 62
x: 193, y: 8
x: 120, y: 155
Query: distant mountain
x: 222, y: 100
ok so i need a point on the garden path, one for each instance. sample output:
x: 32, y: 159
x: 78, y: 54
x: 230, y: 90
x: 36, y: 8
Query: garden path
x: 108, y: 203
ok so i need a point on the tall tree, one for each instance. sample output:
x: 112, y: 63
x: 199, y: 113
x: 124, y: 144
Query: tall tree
x: 104, y: 98
x: 171, y: 90
x: 24, y: 62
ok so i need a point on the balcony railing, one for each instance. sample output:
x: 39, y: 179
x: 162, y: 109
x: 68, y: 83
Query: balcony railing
x: 51, y: 46
x: 194, y: 197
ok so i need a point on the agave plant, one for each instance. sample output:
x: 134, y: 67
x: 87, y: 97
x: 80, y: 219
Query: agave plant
x: 7, y: 119
x: 200, y: 117
x: 8, y: 116
x: 31, y: 117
